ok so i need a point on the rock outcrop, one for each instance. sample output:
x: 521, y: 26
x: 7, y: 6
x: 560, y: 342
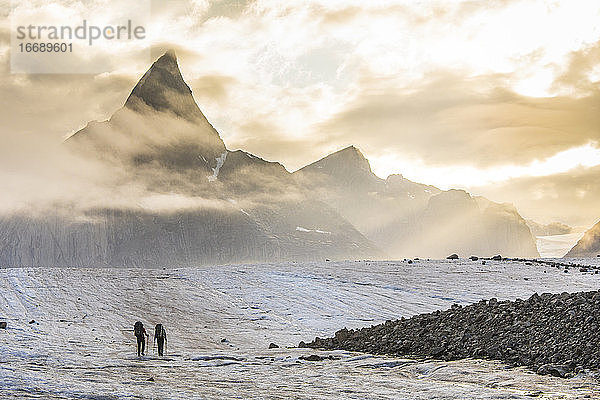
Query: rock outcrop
x: 549, y: 333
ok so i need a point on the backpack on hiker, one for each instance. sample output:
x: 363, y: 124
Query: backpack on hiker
x: 160, y: 337
x: 138, y: 329
x: 159, y: 332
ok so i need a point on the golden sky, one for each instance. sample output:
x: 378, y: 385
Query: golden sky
x: 500, y: 97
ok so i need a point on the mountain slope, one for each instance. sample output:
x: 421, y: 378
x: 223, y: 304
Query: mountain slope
x: 588, y: 245
x: 347, y: 168
x: 141, y: 238
x: 238, y: 207
x: 345, y: 181
x: 160, y: 122
x: 551, y: 229
x: 249, y: 209
x: 407, y: 219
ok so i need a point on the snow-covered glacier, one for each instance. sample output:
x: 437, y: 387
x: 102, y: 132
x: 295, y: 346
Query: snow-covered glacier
x: 70, y: 330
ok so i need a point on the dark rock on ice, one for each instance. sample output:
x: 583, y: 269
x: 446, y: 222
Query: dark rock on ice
x: 312, y: 357
x: 560, y: 371
x: 273, y: 346
x: 452, y: 257
x: 3, y: 324
x: 554, y: 334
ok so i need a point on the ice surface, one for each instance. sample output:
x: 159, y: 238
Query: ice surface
x: 557, y: 245
x: 82, y: 345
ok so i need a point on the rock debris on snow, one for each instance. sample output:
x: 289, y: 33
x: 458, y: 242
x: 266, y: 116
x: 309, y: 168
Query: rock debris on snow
x: 553, y: 334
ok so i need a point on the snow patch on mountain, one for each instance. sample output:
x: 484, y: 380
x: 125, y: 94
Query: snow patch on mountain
x: 301, y: 229
x: 220, y: 161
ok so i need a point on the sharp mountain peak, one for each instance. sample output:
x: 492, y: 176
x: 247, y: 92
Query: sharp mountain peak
x: 162, y: 88
x: 350, y: 151
x: 346, y: 158
x: 346, y: 167
x: 154, y: 109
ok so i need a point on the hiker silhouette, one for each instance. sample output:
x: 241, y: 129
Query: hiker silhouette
x: 140, y: 334
x: 160, y: 336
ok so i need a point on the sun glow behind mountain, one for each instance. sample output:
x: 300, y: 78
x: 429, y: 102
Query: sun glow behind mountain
x: 468, y: 176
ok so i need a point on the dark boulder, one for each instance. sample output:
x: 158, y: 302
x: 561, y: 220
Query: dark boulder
x: 312, y: 357
x: 560, y: 371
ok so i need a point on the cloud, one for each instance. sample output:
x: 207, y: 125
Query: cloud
x: 582, y: 74
x: 176, y: 202
x: 213, y: 88
x: 452, y: 120
x: 37, y: 174
x: 40, y: 177
x: 570, y: 197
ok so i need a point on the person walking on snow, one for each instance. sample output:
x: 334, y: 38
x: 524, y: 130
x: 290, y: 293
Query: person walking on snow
x: 160, y: 336
x: 140, y: 334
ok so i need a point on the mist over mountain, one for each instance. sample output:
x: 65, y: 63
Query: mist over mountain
x: 553, y: 228
x: 161, y: 188
x: 160, y: 123
x: 344, y: 179
x: 195, y: 202
x: 410, y: 219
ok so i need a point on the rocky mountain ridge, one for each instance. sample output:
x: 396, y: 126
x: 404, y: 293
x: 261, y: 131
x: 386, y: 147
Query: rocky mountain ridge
x: 335, y: 208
